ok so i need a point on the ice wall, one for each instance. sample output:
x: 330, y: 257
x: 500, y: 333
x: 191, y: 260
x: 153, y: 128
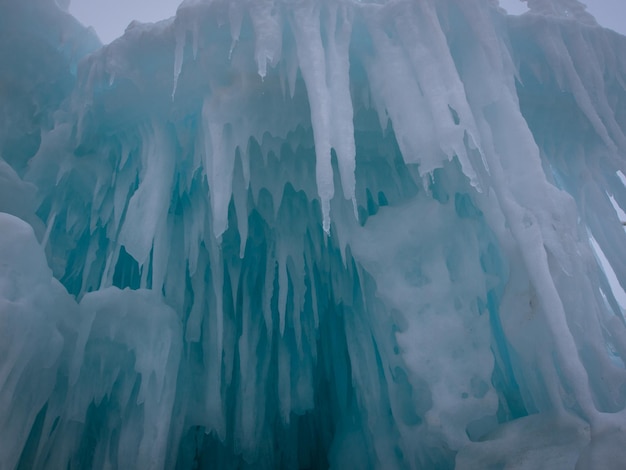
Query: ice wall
x: 280, y: 234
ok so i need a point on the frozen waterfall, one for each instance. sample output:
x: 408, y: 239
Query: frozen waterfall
x: 278, y: 234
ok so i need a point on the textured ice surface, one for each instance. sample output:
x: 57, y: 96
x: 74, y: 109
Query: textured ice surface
x: 341, y: 234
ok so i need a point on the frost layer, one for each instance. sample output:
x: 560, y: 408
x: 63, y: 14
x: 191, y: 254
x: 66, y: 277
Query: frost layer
x: 282, y: 234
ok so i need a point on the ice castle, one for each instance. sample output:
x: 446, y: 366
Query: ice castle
x: 310, y: 234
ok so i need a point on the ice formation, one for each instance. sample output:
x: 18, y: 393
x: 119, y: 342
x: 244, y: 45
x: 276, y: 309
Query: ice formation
x: 313, y: 234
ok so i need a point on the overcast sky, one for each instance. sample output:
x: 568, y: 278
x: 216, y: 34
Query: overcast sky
x: 609, y: 13
x: 110, y: 17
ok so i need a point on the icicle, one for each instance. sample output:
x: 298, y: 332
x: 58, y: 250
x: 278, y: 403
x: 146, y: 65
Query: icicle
x: 306, y: 29
x: 314, y: 302
x: 426, y: 71
x: 247, y: 386
x: 90, y: 258
x: 84, y: 330
x: 213, y: 354
x: 267, y: 22
x: 296, y: 275
x: 219, y: 165
x: 283, y: 289
x: 49, y: 226
x: 270, y: 271
x: 291, y: 69
x: 284, y: 381
x: 150, y: 203
x: 342, y: 114
x: 109, y: 267
x: 121, y: 196
x: 217, y: 274
x: 193, y: 234
x: 124, y: 154
x: 235, y: 16
x: 245, y: 165
x: 97, y: 209
x: 413, y: 125
x: 196, y: 34
x: 194, y: 322
x: 160, y: 254
x: 179, y: 53
x: 240, y: 199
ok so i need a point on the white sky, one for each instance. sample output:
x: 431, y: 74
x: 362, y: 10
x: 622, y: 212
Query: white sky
x: 608, y: 13
x: 110, y: 17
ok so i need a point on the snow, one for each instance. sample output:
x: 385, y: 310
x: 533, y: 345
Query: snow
x: 281, y: 234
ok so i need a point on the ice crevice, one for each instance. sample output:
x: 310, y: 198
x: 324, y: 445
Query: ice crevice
x: 277, y: 234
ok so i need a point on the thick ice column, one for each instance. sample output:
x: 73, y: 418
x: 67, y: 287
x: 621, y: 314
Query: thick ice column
x: 531, y: 216
x: 586, y: 65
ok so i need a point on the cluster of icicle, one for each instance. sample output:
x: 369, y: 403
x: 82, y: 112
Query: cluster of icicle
x: 448, y: 289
